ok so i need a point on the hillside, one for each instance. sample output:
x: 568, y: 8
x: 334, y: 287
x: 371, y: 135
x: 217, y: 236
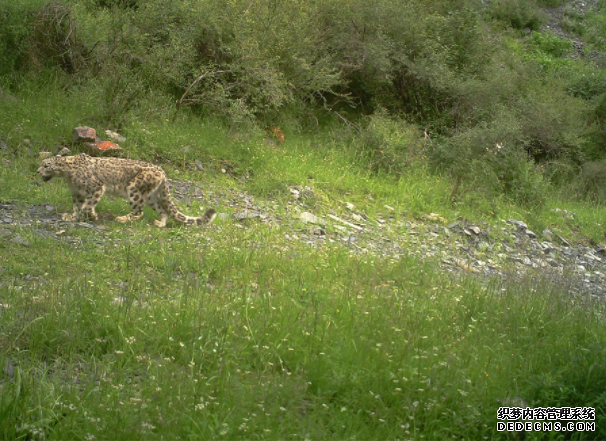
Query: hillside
x: 410, y: 229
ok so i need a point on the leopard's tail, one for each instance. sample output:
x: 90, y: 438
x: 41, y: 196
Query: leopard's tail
x: 206, y: 218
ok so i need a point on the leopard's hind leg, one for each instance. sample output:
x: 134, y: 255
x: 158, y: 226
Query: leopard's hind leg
x: 154, y: 201
x: 137, y: 192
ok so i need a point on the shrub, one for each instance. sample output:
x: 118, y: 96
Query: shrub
x: 16, y: 18
x: 491, y: 158
x: 389, y: 144
x: 54, y: 40
x: 550, y: 43
x: 592, y: 181
x: 519, y: 14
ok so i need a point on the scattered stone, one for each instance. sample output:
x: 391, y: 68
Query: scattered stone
x: 357, y: 217
x: 564, y: 241
x: 344, y: 222
x: 294, y: 192
x: 306, y: 216
x: 530, y: 234
x: 434, y: 217
x: 547, y: 234
x: 349, y: 205
x: 223, y: 216
x: 475, y: 230
x: 44, y: 155
x: 84, y: 134
x: 387, y: 237
x: 115, y: 136
x: 244, y: 216
x: 199, y: 165
x: 21, y: 241
x: 64, y: 151
x: 50, y: 208
x: 519, y: 224
x: 389, y: 208
x: 9, y: 367
x: 465, y: 266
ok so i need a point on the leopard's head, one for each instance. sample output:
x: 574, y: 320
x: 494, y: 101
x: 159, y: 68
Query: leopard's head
x: 51, y: 167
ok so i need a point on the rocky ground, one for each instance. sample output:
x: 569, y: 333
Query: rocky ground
x: 556, y: 23
x: 510, y: 250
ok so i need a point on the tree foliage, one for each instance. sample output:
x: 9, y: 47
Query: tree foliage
x: 458, y: 69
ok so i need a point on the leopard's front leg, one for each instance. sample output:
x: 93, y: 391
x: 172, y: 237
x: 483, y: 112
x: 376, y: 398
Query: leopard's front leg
x: 78, y: 203
x: 91, y: 200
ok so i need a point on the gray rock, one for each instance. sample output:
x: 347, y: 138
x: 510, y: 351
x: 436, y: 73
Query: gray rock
x: 547, y: 234
x: 564, y: 241
x: 475, y: 230
x: 9, y: 367
x: 306, y: 216
x: 250, y: 215
x: 84, y: 134
x: 115, y: 136
x: 21, y: 241
x: 519, y: 224
x: 4, y: 232
x: 199, y: 165
x: 530, y: 234
x: 64, y: 151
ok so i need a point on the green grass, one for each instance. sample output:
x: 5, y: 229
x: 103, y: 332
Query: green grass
x: 235, y: 333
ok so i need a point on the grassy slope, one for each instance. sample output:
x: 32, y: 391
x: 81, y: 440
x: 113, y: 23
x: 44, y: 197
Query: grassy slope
x: 140, y: 333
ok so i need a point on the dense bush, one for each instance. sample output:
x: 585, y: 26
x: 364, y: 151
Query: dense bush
x: 519, y: 14
x: 16, y: 25
x: 388, y: 144
x: 448, y: 67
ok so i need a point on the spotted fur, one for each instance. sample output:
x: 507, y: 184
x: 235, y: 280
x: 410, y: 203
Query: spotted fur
x: 140, y: 182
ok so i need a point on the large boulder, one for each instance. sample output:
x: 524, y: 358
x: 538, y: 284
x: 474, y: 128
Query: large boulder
x: 101, y: 148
